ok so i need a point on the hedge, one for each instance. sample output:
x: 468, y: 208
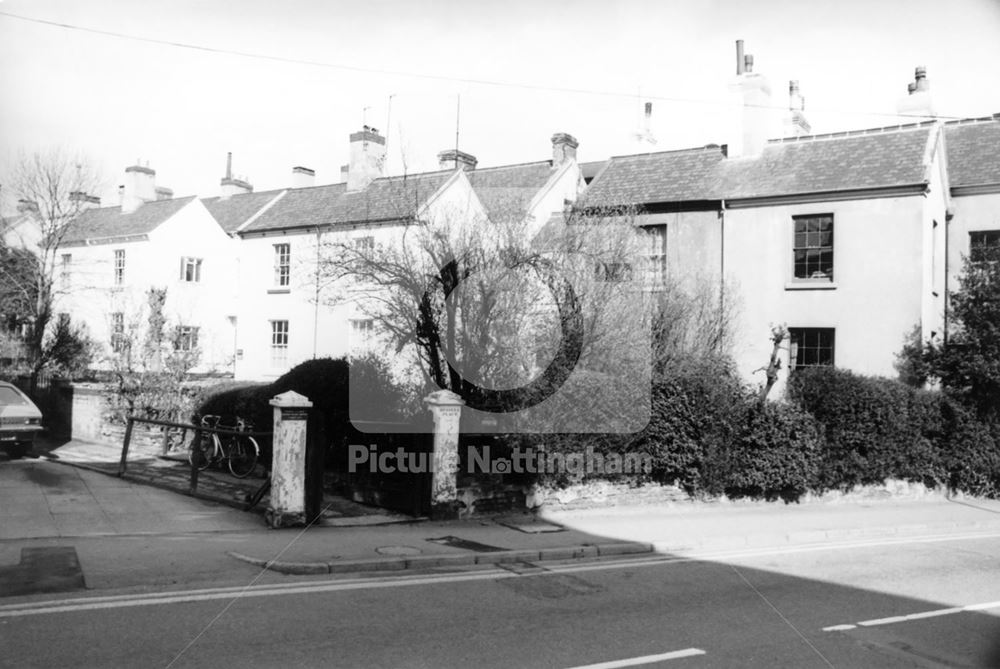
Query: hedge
x: 877, y: 428
x: 707, y: 431
x: 325, y: 382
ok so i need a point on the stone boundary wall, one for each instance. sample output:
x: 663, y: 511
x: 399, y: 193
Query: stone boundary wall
x: 605, y: 494
x: 598, y: 494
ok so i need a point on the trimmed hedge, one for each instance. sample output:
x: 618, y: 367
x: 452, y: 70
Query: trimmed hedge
x: 776, y: 452
x: 876, y: 428
x: 709, y: 434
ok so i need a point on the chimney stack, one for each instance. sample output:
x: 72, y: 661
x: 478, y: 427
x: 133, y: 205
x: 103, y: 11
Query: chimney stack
x: 751, y: 100
x: 164, y: 193
x: 139, y: 188
x: 918, y: 96
x: 564, y: 147
x: 367, y: 158
x: 303, y: 177
x: 26, y: 206
x: 84, y: 201
x: 232, y: 185
x: 796, y: 124
x: 452, y: 159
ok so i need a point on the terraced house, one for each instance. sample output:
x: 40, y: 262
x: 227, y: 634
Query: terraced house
x: 112, y: 256
x: 288, y: 312
x: 849, y: 239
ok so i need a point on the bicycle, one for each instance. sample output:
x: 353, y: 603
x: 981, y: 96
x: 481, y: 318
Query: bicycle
x: 240, y: 451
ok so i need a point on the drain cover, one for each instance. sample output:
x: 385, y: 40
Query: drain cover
x: 397, y: 550
x: 50, y: 569
x: 456, y: 542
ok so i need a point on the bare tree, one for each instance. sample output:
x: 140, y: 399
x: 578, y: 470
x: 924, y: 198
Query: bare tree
x: 488, y: 306
x: 52, y: 187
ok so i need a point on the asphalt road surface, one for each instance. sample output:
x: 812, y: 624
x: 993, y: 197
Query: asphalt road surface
x: 912, y: 603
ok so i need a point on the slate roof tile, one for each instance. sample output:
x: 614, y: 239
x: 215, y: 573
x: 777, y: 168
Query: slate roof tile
x: 973, y: 148
x: 508, y: 190
x: 107, y: 222
x: 816, y: 164
x: 666, y: 176
x: 385, y: 199
x: 234, y: 211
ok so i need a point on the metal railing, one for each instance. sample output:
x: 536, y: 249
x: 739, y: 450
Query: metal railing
x: 184, y: 427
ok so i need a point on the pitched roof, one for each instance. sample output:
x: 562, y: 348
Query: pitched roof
x: 665, y: 176
x: 385, y: 199
x: 814, y: 164
x: 592, y: 169
x: 826, y: 163
x: 508, y: 190
x: 234, y: 211
x: 104, y: 222
x: 973, y: 147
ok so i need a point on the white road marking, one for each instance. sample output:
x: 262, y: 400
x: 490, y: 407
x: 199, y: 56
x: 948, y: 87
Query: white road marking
x: 645, y: 659
x: 86, y: 603
x: 891, y: 620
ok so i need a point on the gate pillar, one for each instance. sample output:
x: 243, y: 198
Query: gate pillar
x: 446, y: 408
x: 287, y: 507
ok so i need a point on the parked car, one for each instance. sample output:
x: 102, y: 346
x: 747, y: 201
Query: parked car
x: 20, y: 421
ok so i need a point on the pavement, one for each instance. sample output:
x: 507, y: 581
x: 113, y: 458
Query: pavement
x: 149, y: 466
x: 43, y: 502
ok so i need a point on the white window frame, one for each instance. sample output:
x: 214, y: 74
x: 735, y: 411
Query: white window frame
x: 282, y: 265
x: 795, y: 348
x: 362, y: 333
x: 119, y: 276
x: 118, y: 339
x: 655, y: 255
x: 279, y: 342
x: 806, y: 247
x: 190, y: 269
x: 186, y: 338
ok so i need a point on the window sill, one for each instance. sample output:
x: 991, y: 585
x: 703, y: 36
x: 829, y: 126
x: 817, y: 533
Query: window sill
x: 278, y: 291
x: 819, y: 284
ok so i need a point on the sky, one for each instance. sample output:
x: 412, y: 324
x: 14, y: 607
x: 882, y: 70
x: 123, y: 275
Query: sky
x: 283, y: 84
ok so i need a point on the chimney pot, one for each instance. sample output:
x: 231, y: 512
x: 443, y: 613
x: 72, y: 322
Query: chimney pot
x: 918, y: 101
x: 232, y: 185
x: 751, y: 113
x: 740, y: 62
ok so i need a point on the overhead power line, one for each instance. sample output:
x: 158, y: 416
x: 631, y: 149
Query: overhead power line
x: 424, y: 75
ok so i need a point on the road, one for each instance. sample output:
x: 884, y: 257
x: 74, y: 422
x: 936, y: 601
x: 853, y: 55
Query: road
x: 794, y: 607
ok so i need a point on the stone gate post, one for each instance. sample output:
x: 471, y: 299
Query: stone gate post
x: 287, y: 507
x: 446, y: 408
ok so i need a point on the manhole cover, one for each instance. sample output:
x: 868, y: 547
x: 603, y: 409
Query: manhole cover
x: 456, y: 542
x: 397, y: 550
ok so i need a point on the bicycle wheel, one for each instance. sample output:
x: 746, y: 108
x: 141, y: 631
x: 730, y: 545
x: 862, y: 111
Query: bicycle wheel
x: 200, y: 454
x: 243, y: 454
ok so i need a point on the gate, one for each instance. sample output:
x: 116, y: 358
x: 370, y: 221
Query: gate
x: 386, y: 465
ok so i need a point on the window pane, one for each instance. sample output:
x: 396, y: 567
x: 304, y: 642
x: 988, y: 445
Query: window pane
x: 813, y: 248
